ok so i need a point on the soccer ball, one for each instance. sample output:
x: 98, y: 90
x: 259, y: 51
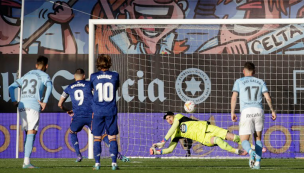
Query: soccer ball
x: 189, y: 106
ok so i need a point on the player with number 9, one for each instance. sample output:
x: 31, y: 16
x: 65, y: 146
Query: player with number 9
x: 80, y: 92
x: 105, y: 84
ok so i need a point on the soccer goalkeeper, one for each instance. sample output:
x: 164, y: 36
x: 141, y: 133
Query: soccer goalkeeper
x: 200, y: 131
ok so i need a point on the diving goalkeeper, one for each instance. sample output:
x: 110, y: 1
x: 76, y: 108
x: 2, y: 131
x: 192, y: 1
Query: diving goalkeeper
x: 200, y: 131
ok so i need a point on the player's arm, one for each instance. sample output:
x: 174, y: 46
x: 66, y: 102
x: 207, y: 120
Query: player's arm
x: 233, y: 105
x: 46, y: 95
x: 169, y: 134
x: 49, y: 86
x: 61, y: 102
x: 235, y: 92
x: 11, y: 90
x: 48, y: 92
x: 168, y: 150
x: 63, y: 98
x: 172, y: 130
x: 268, y: 100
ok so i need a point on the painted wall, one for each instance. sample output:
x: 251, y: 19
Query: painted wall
x: 53, y: 29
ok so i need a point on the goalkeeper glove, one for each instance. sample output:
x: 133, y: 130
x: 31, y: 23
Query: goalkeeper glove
x: 153, y: 151
x: 160, y: 144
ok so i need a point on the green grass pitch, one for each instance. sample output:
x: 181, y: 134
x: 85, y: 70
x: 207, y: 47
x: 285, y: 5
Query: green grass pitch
x: 154, y: 165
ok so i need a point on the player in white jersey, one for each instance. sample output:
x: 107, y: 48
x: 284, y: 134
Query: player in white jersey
x: 32, y: 87
x: 251, y: 90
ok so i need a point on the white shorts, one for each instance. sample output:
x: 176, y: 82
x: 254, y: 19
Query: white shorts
x: 252, y: 120
x: 29, y: 118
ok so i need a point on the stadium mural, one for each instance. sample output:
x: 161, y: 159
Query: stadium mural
x: 169, y: 66
x: 62, y: 27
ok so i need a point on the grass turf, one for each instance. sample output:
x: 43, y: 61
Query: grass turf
x: 154, y: 165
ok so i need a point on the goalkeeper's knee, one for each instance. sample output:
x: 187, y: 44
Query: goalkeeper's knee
x: 223, y: 144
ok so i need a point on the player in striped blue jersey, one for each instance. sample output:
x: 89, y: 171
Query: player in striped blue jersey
x: 81, y: 96
x: 105, y: 84
x: 251, y: 90
x: 32, y: 86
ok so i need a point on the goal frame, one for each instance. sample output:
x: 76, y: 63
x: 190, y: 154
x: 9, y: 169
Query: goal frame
x: 93, y: 22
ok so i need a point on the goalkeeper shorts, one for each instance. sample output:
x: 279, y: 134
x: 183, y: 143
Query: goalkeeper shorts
x: 214, y: 131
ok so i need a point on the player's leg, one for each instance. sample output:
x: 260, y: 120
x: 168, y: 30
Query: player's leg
x: 30, y: 120
x: 98, y: 124
x: 246, y: 129
x: 236, y: 138
x: 75, y: 143
x: 121, y: 157
x: 75, y: 127
x: 188, y: 143
x: 112, y: 129
x: 233, y: 137
x: 259, y: 125
x: 97, y: 152
x: 258, y: 149
x: 216, y: 135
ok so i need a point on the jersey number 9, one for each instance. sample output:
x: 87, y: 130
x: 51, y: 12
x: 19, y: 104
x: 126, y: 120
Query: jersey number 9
x: 78, y: 94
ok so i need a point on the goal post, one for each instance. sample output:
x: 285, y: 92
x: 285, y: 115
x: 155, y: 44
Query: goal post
x: 195, y: 63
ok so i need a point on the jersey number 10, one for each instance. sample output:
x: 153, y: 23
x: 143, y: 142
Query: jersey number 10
x: 105, y: 92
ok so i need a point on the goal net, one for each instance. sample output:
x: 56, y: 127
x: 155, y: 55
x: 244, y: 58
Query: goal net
x: 164, y: 63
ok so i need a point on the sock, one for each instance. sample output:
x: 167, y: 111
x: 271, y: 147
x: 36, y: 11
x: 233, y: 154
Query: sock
x: 258, y: 150
x: 26, y: 160
x: 97, y: 164
x: 30, y: 138
x: 97, y: 150
x: 246, y: 146
x: 113, y: 150
x: 75, y: 143
x: 237, y: 139
x: 224, y: 145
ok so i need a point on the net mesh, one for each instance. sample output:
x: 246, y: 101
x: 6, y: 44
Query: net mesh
x: 162, y: 66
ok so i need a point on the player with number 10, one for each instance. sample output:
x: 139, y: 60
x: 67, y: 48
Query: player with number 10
x: 105, y: 84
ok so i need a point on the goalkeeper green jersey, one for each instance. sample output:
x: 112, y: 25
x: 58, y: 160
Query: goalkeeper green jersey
x: 184, y: 127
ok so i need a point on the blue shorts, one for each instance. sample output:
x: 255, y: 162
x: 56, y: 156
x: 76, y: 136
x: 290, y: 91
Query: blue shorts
x: 100, y: 124
x: 78, y: 123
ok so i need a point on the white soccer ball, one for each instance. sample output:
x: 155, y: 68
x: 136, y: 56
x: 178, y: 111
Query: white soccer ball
x: 189, y: 106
